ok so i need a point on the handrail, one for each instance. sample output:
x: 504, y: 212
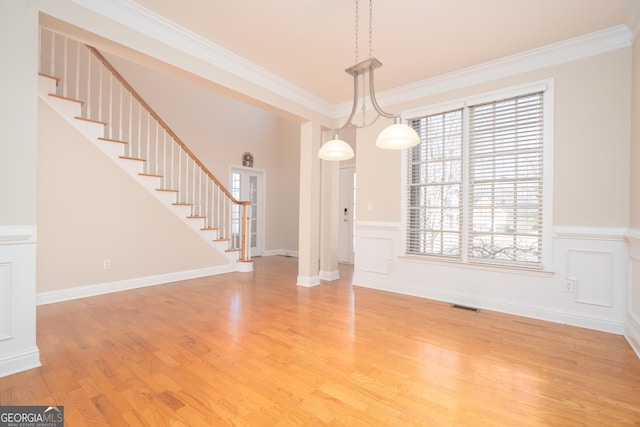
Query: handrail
x: 155, y: 115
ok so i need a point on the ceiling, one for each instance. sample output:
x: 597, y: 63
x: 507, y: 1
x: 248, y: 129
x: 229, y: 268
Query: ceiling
x: 310, y: 42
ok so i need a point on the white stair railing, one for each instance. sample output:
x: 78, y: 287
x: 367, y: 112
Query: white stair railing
x: 85, y: 75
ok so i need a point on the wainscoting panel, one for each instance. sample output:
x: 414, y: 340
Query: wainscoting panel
x: 596, y: 259
x: 592, y: 274
x: 18, y: 350
x: 5, y: 300
x: 632, y: 325
x: 377, y: 252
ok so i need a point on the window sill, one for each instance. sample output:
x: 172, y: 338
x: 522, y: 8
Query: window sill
x: 476, y: 266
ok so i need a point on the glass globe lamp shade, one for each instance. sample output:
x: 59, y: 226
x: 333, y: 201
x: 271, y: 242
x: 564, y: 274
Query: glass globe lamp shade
x: 397, y: 136
x: 335, y: 149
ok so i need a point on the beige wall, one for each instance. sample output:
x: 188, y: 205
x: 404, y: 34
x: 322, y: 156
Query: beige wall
x: 283, y: 181
x: 219, y: 130
x: 591, y: 167
x: 89, y: 210
x: 634, y: 211
x: 18, y: 29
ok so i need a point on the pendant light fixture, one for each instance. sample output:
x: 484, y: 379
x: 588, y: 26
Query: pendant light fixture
x: 396, y: 136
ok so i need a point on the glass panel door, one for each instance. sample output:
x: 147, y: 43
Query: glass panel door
x: 247, y: 184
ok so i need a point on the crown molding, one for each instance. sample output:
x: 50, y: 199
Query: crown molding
x: 157, y: 27
x: 144, y: 21
x: 599, y: 42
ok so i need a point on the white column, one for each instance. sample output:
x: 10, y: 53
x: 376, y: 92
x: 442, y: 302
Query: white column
x: 329, y: 217
x: 309, y: 220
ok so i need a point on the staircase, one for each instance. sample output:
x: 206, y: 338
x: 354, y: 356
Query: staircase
x: 86, y: 90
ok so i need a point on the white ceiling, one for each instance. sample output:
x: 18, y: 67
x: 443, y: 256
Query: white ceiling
x: 311, y: 42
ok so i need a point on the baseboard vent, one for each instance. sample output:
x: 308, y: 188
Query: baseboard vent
x: 464, y: 307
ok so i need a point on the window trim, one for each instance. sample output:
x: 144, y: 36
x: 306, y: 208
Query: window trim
x: 547, y: 86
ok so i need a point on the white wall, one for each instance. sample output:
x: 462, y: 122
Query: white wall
x: 590, y: 207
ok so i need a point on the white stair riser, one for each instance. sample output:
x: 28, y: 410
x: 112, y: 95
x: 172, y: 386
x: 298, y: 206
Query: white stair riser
x: 72, y: 109
x: 165, y: 197
x: 132, y: 167
x: 91, y: 130
x: 111, y: 149
x: 46, y: 85
x: 182, y: 211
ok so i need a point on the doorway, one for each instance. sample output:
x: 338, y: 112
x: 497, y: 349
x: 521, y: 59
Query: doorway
x: 248, y: 184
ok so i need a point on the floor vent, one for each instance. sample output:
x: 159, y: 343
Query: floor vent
x: 464, y: 307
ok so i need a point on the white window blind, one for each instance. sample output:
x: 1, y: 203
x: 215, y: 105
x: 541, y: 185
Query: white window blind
x: 435, y: 186
x: 505, y: 180
x: 488, y: 207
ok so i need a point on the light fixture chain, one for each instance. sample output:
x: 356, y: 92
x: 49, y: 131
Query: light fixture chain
x: 357, y: 27
x: 370, y: 28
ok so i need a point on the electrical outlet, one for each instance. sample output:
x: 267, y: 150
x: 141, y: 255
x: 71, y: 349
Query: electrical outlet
x: 570, y: 285
x: 106, y: 264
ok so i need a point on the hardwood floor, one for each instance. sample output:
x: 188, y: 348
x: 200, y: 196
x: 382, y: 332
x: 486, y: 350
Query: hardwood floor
x: 253, y: 349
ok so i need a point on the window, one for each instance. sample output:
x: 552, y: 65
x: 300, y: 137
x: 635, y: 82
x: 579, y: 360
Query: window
x: 475, y: 189
x: 435, y: 186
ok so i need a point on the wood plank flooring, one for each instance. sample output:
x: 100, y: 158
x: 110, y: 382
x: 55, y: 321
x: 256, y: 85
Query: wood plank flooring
x: 253, y: 349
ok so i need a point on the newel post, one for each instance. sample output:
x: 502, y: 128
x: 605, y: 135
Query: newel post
x: 245, y: 246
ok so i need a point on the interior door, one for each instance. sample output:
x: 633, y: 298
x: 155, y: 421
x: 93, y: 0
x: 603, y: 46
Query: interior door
x: 247, y: 184
x: 346, y: 215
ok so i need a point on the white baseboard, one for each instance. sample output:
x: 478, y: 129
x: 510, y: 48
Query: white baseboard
x: 541, y: 313
x: 632, y: 333
x: 308, y: 282
x: 329, y: 275
x: 123, y: 285
x: 283, y: 252
x: 17, y: 362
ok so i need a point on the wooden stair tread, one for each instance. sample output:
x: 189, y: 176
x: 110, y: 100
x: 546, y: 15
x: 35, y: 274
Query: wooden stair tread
x: 222, y: 240
x: 57, y: 79
x: 90, y: 120
x: 153, y: 175
x: 55, y: 95
x: 196, y: 217
x: 182, y: 204
x: 112, y: 140
x: 209, y: 229
x: 132, y: 158
x: 232, y: 250
x: 168, y: 190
